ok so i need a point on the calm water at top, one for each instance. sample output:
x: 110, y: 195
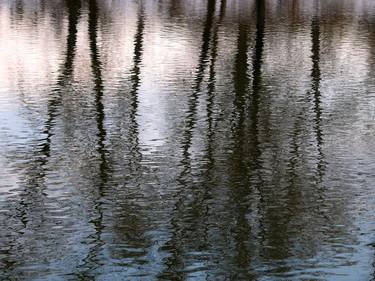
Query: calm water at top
x: 187, y: 140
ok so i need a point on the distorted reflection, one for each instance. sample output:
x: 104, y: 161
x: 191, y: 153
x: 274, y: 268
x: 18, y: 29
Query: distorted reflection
x: 199, y: 140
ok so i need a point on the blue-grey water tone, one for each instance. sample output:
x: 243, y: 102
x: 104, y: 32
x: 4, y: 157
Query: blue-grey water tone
x: 187, y: 140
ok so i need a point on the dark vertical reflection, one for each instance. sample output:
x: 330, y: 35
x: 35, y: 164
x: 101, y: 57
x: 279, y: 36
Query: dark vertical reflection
x: 54, y: 103
x: 246, y: 150
x: 240, y: 173
x: 211, y: 97
x: 73, y: 7
x: 198, y: 209
x: 241, y: 188
x: 258, y: 53
x: 315, y: 75
x: 174, y: 265
x: 98, y: 88
x: 31, y: 198
x: 203, y: 60
x: 240, y: 77
x: 277, y: 220
x: 129, y: 223
x: 91, y: 262
x: 135, y: 80
x: 65, y: 74
x: 257, y: 61
x: 74, y: 11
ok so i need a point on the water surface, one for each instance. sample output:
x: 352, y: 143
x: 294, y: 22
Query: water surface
x: 187, y: 140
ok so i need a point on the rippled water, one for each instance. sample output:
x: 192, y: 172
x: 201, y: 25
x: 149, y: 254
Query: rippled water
x: 187, y: 140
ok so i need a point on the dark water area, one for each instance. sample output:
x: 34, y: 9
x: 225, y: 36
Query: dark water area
x: 187, y: 140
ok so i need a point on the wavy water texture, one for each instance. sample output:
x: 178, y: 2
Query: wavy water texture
x: 187, y: 140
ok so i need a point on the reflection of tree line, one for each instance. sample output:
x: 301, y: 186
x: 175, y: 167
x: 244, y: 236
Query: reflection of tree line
x: 91, y: 261
x: 245, y: 157
x: 315, y: 75
x: 135, y: 83
x: 181, y: 224
x: 280, y: 228
x: 33, y: 194
x: 188, y: 217
x: 245, y: 163
x: 31, y: 202
x: 246, y: 154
